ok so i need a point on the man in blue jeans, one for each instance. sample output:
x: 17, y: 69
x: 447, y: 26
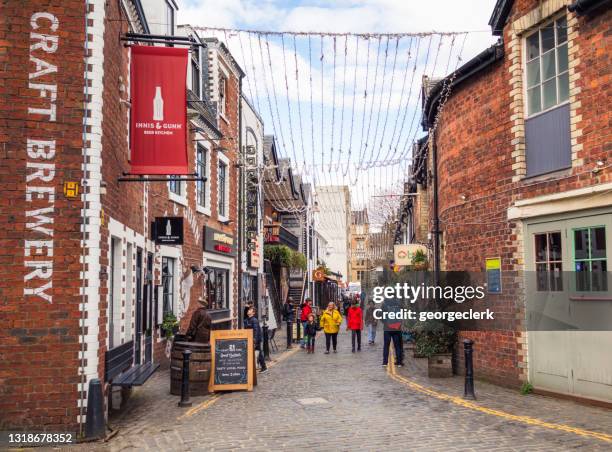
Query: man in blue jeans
x: 393, y: 332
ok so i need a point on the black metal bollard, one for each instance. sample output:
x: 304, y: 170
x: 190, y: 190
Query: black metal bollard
x: 266, y: 344
x: 299, y: 325
x: 468, y: 392
x: 94, y: 421
x: 185, y: 402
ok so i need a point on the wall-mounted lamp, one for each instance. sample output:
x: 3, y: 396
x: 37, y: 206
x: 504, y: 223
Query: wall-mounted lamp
x: 463, y: 197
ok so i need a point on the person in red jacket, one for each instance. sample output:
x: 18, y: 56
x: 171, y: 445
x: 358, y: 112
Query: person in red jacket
x: 354, y: 322
x: 306, y: 311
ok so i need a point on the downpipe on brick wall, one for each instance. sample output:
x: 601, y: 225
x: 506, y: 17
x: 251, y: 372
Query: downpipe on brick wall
x: 436, y: 218
x: 240, y: 205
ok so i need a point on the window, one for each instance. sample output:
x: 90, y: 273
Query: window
x: 548, y: 262
x: 222, y: 94
x: 590, y: 260
x: 222, y: 189
x: 168, y: 283
x: 201, y: 171
x: 175, y: 185
x: 169, y: 19
x: 217, y: 286
x: 196, y: 75
x: 114, y: 315
x: 547, y: 76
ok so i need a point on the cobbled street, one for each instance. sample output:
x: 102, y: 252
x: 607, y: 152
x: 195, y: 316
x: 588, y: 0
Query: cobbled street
x: 348, y: 401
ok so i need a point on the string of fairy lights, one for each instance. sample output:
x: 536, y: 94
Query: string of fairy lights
x: 344, y: 109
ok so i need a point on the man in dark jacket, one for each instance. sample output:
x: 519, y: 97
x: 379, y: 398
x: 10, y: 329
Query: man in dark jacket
x: 253, y: 323
x: 200, y: 325
x: 288, y: 316
x: 393, y: 332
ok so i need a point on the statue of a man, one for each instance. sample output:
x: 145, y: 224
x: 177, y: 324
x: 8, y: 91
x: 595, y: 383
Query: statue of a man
x: 200, y: 324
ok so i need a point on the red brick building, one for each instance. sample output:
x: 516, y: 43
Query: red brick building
x: 523, y: 169
x: 83, y: 281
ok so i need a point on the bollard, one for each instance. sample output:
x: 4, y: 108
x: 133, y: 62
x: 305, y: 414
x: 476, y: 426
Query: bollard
x: 468, y: 392
x: 185, y: 402
x: 266, y: 344
x: 299, y: 325
x: 94, y: 421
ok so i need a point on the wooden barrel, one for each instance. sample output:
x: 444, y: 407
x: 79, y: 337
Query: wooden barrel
x: 199, y: 368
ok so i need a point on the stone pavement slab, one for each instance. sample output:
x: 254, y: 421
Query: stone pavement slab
x: 366, y: 409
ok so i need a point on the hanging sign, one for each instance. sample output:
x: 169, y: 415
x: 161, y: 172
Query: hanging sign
x: 232, y: 363
x: 403, y: 254
x: 168, y: 230
x: 158, y: 128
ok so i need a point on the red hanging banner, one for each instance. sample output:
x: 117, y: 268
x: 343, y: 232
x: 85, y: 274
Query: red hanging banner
x: 158, y: 127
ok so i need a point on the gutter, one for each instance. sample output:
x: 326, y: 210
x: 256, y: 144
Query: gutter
x: 472, y: 67
x: 240, y: 203
x: 584, y: 7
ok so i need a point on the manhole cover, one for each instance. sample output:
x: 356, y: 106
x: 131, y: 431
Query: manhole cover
x: 312, y: 401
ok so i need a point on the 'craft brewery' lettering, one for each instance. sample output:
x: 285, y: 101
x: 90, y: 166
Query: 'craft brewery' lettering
x: 40, y: 163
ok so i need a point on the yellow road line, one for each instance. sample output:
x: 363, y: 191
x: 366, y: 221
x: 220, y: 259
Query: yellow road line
x: 391, y: 370
x: 201, y: 406
x: 207, y: 403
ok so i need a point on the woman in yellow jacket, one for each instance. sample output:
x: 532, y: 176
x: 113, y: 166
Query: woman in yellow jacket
x: 330, y: 322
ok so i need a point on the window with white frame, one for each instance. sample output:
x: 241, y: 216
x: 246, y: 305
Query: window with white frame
x: 222, y: 94
x: 168, y: 283
x: 222, y: 188
x: 546, y: 59
x: 201, y: 155
x: 196, y: 74
x: 175, y: 185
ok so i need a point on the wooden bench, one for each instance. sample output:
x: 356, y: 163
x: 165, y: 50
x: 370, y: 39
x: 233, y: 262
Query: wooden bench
x: 120, y: 369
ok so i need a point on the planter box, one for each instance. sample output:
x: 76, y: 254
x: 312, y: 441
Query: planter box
x: 440, y: 366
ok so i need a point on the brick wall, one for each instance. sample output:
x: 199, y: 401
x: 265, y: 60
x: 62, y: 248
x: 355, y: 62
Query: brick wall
x: 480, y: 141
x: 41, y: 98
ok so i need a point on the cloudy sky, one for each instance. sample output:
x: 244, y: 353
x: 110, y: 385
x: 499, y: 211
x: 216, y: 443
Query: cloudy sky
x: 345, y: 110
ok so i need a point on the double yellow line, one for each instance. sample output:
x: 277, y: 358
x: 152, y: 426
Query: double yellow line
x: 392, y: 372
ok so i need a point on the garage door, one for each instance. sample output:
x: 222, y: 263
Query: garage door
x: 567, y: 262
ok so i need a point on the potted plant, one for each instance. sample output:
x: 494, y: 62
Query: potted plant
x: 419, y: 260
x: 434, y: 340
x: 170, y: 325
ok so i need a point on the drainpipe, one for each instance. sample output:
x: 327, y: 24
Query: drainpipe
x: 436, y: 218
x: 240, y: 202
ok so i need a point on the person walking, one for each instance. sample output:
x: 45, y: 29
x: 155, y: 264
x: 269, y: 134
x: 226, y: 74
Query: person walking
x: 393, y: 332
x: 354, y: 322
x: 330, y: 322
x: 371, y: 323
x: 310, y: 332
x: 288, y: 316
x: 251, y: 322
x: 306, y: 311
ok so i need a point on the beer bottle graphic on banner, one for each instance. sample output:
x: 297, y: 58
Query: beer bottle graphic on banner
x: 168, y: 228
x: 158, y: 105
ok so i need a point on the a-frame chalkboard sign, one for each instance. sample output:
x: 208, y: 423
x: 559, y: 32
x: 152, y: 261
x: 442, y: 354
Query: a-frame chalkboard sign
x: 233, y: 364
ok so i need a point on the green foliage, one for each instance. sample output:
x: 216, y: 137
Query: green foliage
x: 284, y: 256
x: 526, y: 388
x: 432, y: 337
x: 169, y: 324
x: 298, y: 260
x: 419, y: 257
x: 278, y: 255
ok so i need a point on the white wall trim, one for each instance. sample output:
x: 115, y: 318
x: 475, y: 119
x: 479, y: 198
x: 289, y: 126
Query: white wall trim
x: 569, y: 201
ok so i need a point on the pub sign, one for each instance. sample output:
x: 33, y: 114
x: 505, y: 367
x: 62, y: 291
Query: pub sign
x: 168, y: 230
x: 219, y: 242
